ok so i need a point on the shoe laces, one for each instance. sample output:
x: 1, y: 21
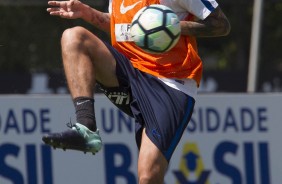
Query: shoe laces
x: 71, y: 125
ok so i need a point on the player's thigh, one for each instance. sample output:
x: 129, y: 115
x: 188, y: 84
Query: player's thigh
x: 95, y: 49
x: 152, y: 164
x: 104, y: 63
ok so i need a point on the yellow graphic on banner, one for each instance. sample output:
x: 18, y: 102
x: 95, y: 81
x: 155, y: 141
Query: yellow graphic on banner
x: 191, y: 167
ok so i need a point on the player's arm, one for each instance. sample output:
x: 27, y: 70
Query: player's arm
x: 216, y: 24
x: 99, y: 19
x: 75, y: 9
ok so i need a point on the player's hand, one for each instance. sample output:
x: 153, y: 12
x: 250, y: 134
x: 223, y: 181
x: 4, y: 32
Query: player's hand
x: 71, y: 9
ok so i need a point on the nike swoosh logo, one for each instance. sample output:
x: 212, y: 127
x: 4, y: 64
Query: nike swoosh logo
x: 79, y: 103
x: 124, y: 9
x: 155, y: 132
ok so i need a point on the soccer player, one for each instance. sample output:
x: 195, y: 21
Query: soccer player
x: 158, y: 90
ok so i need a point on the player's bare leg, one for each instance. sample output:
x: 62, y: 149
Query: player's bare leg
x: 152, y: 164
x: 85, y: 59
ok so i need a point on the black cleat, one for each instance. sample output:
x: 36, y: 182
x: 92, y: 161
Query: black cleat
x: 78, y: 138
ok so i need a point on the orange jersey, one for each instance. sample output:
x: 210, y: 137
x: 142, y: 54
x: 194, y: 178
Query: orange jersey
x: 181, y: 62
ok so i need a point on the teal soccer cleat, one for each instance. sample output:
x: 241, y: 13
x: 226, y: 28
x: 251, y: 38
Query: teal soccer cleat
x: 79, y: 137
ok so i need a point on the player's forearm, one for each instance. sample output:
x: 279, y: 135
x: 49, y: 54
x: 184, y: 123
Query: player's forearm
x: 214, y: 25
x: 196, y: 29
x: 99, y: 19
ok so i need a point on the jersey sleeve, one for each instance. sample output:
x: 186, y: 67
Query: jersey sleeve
x: 199, y: 8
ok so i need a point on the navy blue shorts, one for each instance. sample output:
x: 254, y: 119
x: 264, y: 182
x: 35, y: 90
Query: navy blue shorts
x: 162, y: 110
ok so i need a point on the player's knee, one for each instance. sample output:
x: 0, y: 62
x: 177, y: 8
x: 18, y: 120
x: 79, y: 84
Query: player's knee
x: 145, y: 180
x: 74, y: 38
x: 149, y: 178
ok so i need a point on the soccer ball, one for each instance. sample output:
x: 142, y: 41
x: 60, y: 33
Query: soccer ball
x: 155, y: 28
